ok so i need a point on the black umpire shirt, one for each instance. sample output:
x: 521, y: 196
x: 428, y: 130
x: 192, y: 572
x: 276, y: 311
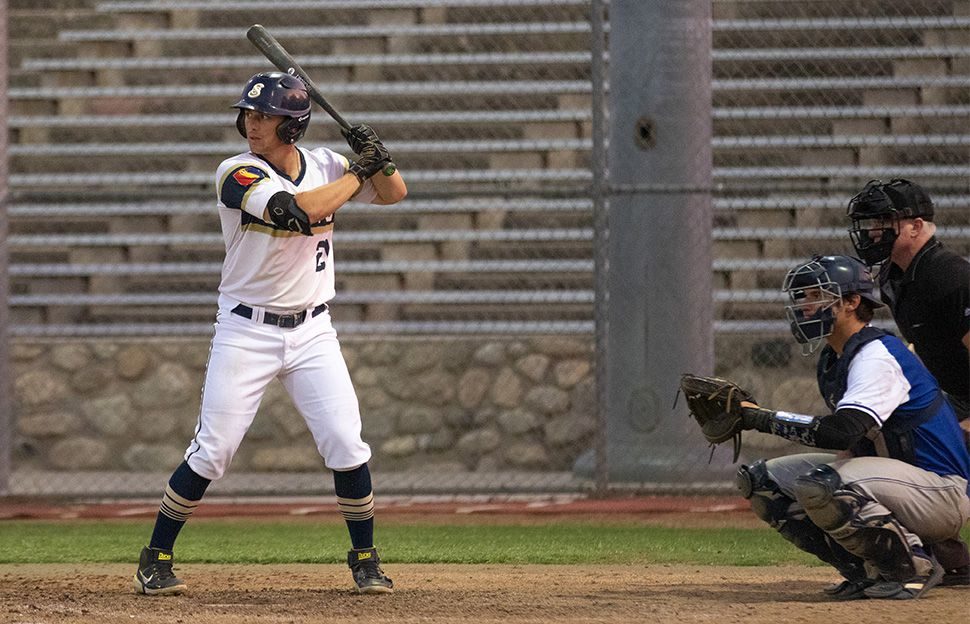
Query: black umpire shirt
x: 931, y: 304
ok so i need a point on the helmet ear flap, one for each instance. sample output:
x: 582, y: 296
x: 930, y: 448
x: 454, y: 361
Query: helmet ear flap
x: 241, y: 123
x: 292, y: 130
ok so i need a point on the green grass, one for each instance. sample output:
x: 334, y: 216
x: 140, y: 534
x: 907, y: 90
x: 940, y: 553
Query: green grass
x: 260, y: 541
x: 254, y: 541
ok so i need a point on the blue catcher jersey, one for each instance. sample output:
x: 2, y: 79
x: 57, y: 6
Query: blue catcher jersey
x: 886, y: 380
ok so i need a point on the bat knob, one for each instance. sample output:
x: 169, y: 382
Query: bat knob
x: 389, y: 169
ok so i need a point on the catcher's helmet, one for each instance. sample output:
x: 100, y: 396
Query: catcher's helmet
x: 815, y: 287
x: 876, y: 212
x: 276, y: 93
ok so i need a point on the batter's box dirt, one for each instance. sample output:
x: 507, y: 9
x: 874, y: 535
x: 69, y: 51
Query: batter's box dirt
x: 493, y: 594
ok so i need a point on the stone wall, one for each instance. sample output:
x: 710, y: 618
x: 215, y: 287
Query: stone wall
x: 462, y: 405
x: 133, y: 405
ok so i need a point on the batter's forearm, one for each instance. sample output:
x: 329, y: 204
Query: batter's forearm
x: 321, y: 202
x: 390, y: 189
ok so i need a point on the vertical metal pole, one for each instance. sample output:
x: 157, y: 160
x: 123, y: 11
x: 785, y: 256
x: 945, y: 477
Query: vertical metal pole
x: 6, y: 417
x: 601, y: 228
x: 660, y: 236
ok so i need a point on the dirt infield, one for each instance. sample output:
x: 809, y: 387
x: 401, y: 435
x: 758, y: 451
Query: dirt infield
x: 469, y: 594
x: 223, y: 594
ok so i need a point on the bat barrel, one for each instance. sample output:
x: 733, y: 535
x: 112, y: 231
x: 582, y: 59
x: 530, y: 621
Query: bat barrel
x: 278, y: 56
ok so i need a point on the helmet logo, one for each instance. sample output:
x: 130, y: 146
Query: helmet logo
x: 256, y: 90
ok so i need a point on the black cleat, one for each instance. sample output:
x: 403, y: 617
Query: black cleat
x: 915, y: 587
x: 368, y: 576
x: 849, y: 590
x: 956, y: 577
x: 954, y: 555
x: 154, y: 576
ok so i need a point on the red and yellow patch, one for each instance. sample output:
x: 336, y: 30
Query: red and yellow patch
x: 245, y: 177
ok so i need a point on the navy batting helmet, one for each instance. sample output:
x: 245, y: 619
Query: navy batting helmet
x: 876, y: 212
x: 815, y: 287
x: 276, y: 93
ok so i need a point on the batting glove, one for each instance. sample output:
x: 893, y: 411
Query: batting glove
x: 360, y: 135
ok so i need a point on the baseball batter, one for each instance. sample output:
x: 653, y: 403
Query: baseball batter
x: 901, y: 486
x: 277, y: 203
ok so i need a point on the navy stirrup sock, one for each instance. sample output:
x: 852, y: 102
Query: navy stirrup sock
x: 355, y: 500
x: 182, y: 496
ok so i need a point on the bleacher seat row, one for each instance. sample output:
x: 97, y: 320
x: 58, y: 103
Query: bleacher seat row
x: 119, y: 116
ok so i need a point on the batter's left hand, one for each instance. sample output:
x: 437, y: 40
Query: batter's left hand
x: 359, y: 136
x: 373, y: 159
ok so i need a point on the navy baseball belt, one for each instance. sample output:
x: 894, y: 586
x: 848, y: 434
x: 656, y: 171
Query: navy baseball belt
x: 285, y: 321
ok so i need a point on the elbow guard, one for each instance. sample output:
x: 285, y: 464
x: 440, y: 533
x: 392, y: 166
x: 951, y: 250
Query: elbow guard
x: 284, y: 213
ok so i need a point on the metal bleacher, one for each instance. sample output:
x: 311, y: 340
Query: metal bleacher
x: 118, y: 124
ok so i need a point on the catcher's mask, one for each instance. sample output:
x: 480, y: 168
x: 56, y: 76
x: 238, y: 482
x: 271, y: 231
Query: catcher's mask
x: 276, y: 93
x: 876, y: 212
x: 815, y: 288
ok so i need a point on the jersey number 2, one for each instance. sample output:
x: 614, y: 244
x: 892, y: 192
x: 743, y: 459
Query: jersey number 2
x: 323, y: 252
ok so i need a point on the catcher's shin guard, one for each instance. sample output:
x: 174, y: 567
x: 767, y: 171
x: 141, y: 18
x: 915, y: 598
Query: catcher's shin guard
x: 786, y: 516
x: 880, y: 540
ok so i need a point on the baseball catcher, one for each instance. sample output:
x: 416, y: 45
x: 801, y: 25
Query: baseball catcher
x: 898, y: 490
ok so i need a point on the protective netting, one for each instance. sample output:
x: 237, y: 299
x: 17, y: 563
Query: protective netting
x: 467, y: 311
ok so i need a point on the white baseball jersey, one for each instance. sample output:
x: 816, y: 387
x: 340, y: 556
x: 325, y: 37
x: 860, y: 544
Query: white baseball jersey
x: 268, y: 268
x: 265, y: 265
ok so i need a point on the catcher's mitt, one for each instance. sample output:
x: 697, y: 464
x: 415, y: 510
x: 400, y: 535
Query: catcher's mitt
x: 716, y: 406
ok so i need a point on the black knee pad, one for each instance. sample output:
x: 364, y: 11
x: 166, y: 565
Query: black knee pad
x: 767, y: 501
x: 750, y: 479
x: 816, y: 489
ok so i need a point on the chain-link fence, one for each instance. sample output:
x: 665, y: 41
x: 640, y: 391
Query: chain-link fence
x: 473, y: 314
x: 812, y: 100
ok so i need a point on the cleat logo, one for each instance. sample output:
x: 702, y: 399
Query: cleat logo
x: 164, y: 557
x: 363, y: 555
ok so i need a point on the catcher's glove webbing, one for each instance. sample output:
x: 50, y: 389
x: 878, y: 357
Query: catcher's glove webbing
x: 715, y: 404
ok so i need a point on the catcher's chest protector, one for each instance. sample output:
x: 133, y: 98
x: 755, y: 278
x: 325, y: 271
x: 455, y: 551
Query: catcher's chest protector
x: 895, y: 438
x: 833, y: 371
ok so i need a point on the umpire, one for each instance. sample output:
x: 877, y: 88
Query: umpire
x: 927, y: 289
x: 926, y: 286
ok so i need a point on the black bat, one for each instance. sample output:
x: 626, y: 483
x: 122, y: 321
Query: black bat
x: 278, y: 56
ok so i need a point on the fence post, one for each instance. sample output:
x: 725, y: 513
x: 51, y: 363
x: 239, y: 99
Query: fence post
x: 601, y: 230
x: 660, y: 317
x: 6, y: 417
